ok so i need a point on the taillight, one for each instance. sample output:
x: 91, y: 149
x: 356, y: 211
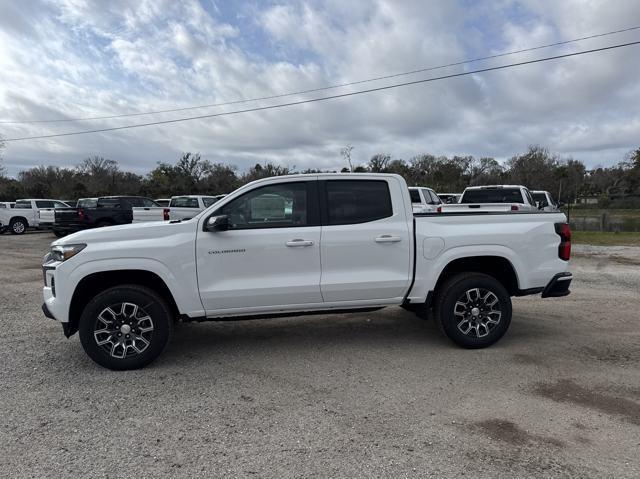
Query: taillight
x: 439, y: 209
x: 514, y: 208
x: 80, y: 213
x: 165, y: 214
x: 564, y: 250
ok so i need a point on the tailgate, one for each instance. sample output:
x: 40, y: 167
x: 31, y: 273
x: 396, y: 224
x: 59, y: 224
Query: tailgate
x: 64, y: 216
x: 142, y: 214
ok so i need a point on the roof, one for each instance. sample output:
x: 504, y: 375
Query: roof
x: 489, y: 187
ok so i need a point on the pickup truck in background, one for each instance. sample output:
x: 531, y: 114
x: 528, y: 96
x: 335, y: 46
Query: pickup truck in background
x: 494, y: 198
x: 188, y: 206
x: 545, y: 201
x: 301, y: 244
x: 29, y: 213
x: 98, y: 212
x: 424, y: 200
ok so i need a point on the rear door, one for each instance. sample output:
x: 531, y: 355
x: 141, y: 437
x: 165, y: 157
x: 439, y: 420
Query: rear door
x: 270, y: 255
x: 366, y: 242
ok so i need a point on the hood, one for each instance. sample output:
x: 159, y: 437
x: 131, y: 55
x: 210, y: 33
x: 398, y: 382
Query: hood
x: 133, y: 231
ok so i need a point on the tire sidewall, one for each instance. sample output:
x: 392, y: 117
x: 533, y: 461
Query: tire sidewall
x: 456, y: 288
x: 153, y: 305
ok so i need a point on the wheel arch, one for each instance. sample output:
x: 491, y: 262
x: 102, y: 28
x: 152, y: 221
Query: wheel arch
x: 18, y: 217
x: 495, y: 266
x: 95, y: 283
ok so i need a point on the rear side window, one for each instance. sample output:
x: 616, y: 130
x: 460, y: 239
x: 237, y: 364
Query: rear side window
x: 23, y: 204
x: 415, y: 196
x: 357, y: 201
x: 184, y: 202
x: 492, y: 195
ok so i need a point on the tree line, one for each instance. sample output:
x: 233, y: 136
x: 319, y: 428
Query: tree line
x: 537, y: 168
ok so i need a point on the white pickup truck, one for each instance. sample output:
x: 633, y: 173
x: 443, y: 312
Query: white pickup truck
x: 301, y: 244
x: 494, y: 198
x: 188, y: 206
x: 30, y: 213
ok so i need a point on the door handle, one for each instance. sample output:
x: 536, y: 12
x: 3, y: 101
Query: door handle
x: 388, y: 239
x: 299, y: 242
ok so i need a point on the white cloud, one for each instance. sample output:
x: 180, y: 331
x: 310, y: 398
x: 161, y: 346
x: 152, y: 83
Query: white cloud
x: 86, y: 57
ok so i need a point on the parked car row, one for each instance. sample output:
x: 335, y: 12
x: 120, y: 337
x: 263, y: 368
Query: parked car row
x: 493, y: 198
x: 87, y: 213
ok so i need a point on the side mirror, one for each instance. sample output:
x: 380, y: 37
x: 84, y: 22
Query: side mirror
x: 216, y: 223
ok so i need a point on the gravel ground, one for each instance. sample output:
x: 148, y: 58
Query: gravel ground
x: 365, y: 395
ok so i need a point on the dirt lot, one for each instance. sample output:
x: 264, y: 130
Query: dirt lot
x: 367, y: 395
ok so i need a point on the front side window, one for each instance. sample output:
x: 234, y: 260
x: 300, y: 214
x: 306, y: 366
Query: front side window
x: 357, y: 201
x: 272, y: 206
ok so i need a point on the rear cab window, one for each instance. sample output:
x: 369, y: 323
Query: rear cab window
x: 184, y: 202
x: 415, y: 196
x: 493, y: 195
x: 357, y: 201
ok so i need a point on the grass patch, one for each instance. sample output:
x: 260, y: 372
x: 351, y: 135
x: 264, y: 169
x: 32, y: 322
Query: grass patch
x: 605, y: 238
x: 594, y: 212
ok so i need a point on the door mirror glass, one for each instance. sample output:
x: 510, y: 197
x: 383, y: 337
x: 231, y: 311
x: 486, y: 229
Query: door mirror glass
x: 216, y: 223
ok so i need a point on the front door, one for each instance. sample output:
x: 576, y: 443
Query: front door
x: 270, y: 255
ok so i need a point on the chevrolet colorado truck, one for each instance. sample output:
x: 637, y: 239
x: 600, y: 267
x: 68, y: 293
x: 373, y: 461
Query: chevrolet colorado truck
x: 301, y: 244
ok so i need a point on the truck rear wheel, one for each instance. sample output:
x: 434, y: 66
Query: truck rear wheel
x: 17, y: 226
x: 125, y: 327
x: 473, y: 310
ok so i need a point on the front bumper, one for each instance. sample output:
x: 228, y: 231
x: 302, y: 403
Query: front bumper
x: 558, y: 286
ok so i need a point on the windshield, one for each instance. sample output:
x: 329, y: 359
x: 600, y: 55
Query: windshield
x: 492, y: 195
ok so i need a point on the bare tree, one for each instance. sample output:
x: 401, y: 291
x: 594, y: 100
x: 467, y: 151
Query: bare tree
x: 346, y: 155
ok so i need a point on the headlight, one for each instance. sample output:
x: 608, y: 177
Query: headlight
x: 63, y: 253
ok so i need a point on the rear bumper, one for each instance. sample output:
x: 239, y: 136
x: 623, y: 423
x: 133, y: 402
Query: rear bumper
x: 558, y: 286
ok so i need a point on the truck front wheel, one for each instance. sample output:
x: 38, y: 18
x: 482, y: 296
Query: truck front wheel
x: 473, y: 309
x: 125, y: 327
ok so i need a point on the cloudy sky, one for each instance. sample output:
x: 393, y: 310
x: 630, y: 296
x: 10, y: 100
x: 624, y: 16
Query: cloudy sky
x: 64, y: 59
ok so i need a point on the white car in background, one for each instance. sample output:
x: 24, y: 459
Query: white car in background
x: 545, y: 201
x: 29, y: 213
x: 187, y: 206
x: 424, y: 200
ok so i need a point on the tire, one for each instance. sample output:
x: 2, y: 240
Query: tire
x: 113, y: 339
x: 473, y: 310
x: 59, y: 234
x: 18, y: 226
x: 103, y: 223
